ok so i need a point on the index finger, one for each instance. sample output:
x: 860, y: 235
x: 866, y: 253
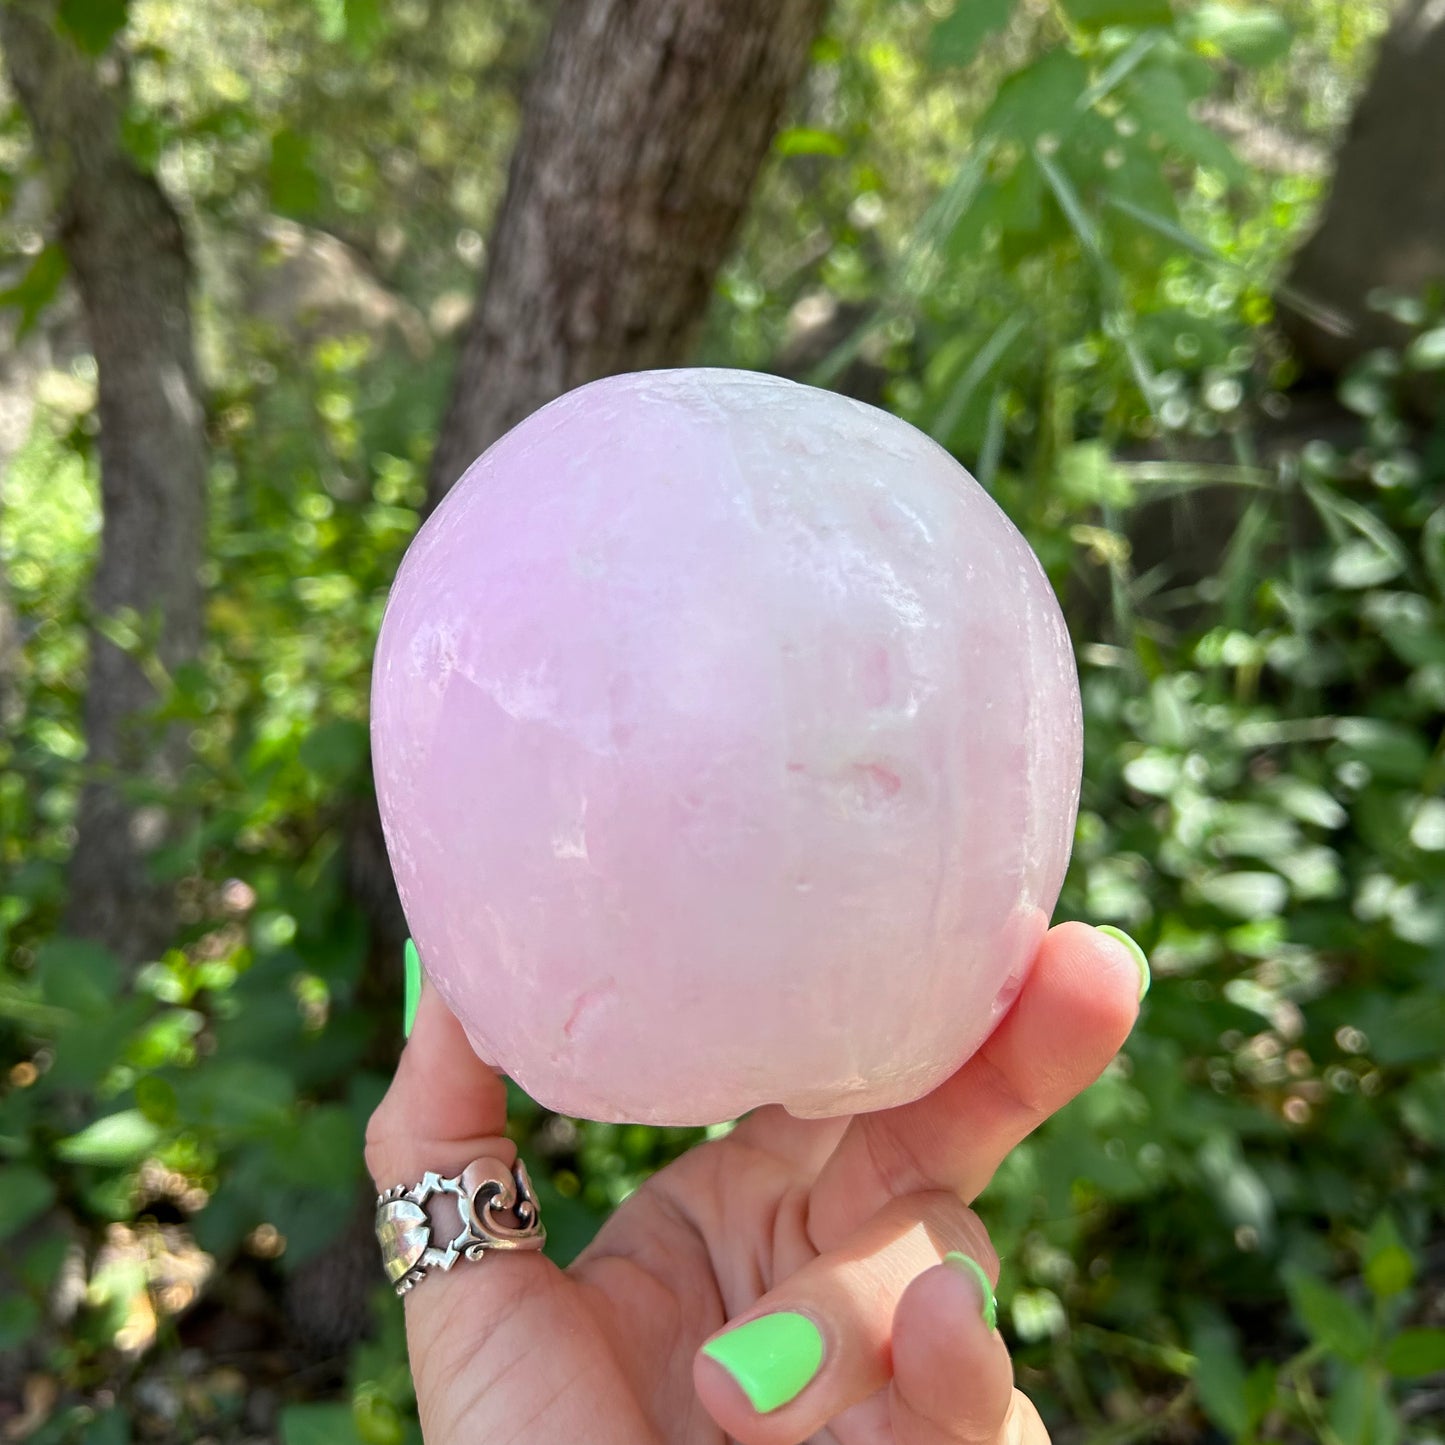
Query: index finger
x: 1076, y: 1009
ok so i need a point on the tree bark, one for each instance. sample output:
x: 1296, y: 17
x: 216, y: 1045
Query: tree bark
x: 126, y: 248
x: 1384, y: 223
x: 643, y: 134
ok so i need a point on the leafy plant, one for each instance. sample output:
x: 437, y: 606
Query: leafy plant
x: 1035, y: 245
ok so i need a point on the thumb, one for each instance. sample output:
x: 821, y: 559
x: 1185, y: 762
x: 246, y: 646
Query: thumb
x: 444, y: 1109
x: 473, y: 1333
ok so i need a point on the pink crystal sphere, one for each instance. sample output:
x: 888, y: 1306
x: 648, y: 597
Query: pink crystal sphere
x: 727, y: 740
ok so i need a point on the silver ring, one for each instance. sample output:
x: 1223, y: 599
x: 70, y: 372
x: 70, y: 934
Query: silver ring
x: 485, y: 1192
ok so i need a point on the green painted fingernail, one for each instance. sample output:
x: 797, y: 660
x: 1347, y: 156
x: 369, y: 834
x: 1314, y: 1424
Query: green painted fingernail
x: 1140, y: 957
x: 413, y: 988
x: 772, y: 1358
x: 965, y: 1265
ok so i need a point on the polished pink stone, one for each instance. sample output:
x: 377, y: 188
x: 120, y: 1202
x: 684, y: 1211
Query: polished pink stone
x: 727, y: 740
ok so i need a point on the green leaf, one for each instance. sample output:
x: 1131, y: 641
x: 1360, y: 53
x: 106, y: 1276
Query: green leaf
x: 336, y: 751
x: 37, y: 288
x: 92, y: 24
x: 19, y: 1315
x: 144, y: 134
x: 294, y: 185
x: 1219, y: 1378
x: 377, y: 1420
x: 1155, y: 772
x: 1413, y: 1353
x: 1098, y: 14
x: 123, y: 1138
x: 805, y: 140
x: 1406, y: 1029
x: 43, y: 1262
x: 24, y: 1193
x: 324, y: 1144
x: 1389, y: 1265
x: 1260, y: 1389
x: 1427, y: 351
x: 1393, y: 753
x: 1041, y: 99
x: 1308, y: 802
x: 110, y: 1427
x: 1013, y: 204
x: 330, y: 1424
x: 78, y: 975
x: 1243, y: 1196
x: 1422, y: 1108
x: 1246, y: 894
x: 365, y: 25
x: 235, y: 1094
x: 1360, y: 1409
x: 956, y: 38
x: 1389, y: 1273
x: 1328, y: 1317
x: 95, y: 1043
x: 1251, y: 35
x: 1159, y: 97
x: 1359, y: 563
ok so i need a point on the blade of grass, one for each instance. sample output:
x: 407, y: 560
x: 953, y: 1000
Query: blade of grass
x: 969, y: 380
x: 1194, y: 474
x: 1340, y: 512
x: 1122, y: 65
x: 991, y: 453
x: 1087, y: 233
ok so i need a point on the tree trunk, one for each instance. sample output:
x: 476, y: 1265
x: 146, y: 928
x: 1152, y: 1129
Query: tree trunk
x: 126, y: 249
x: 642, y: 137
x: 1384, y: 223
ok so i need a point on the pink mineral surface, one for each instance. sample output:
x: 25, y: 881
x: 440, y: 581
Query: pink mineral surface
x: 727, y: 740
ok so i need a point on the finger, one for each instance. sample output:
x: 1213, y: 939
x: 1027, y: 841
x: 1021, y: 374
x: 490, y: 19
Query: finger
x: 952, y: 1377
x: 805, y: 1144
x: 1080, y: 1001
x: 444, y: 1109
x: 1022, y: 1426
x: 821, y: 1341
x: 471, y: 1330
x: 443, y: 1103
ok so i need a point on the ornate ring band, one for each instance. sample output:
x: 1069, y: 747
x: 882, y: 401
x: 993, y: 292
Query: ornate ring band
x: 486, y: 1192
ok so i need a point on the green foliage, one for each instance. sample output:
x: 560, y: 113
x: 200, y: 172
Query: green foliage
x: 37, y: 288
x: 1251, y: 35
x: 957, y: 37
x: 1062, y: 272
x: 92, y: 24
x: 294, y: 186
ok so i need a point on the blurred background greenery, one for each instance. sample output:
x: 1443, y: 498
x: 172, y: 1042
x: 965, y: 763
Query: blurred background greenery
x: 1067, y: 238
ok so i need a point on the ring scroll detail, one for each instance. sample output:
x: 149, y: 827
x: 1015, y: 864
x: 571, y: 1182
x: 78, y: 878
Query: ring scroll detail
x: 496, y: 1209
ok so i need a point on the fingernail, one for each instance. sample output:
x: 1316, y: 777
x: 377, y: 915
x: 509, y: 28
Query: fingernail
x: 772, y: 1358
x: 965, y: 1265
x: 413, y: 988
x: 1135, y: 952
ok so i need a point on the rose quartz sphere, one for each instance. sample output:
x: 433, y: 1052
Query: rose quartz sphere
x: 727, y: 740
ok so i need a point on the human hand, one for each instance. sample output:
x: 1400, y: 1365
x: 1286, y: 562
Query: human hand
x: 835, y: 1231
